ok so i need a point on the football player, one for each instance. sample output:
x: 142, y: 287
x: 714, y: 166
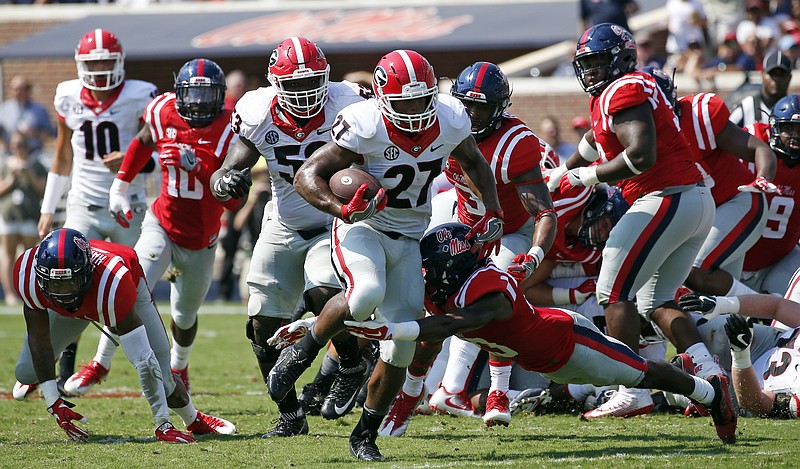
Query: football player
x: 67, y: 282
x: 99, y: 113
x: 515, y: 155
x: 191, y: 132
x: 650, y: 251
x: 286, y: 123
x: 469, y: 296
x: 403, y: 137
x: 741, y: 201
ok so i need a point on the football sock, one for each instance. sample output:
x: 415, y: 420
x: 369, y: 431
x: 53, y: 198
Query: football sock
x: 330, y: 365
x: 413, y: 384
x: 105, y: 351
x: 348, y: 350
x: 179, y: 356
x: 66, y: 364
x: 704, y: 362
x: 703, y: 391
x: 579, y: 392
x: 500, y: 375
x: 459, y: 365
x: 311, y: 344
x: 289, y: 407
x: 188, y: 414
x: 370, y: 421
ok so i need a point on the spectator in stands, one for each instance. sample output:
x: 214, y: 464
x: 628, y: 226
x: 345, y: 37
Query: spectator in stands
x: 646, y: 52
x: 551, y: 133
x: 729, y: 58
x: 686, y: 22
x: 20, y: 114
x: 758, y: 21
x: 776, y: 74
x: 723, y: 18
x: 22, y: 180
x: 236, y: 86
x: 580, y: 125
x: 594, y: 12
x: 790, y: 45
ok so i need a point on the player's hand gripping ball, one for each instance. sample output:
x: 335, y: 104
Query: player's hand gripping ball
x: 346, y: 182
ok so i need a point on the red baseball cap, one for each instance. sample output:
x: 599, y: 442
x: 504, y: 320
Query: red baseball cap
x: 580, y: 121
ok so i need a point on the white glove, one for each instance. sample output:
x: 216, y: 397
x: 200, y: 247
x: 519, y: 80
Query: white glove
x: 554, y: 178
x: 118, y: 203
x: 382, y: 329
x: 291, y: 333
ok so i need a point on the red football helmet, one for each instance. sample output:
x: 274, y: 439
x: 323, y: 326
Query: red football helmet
x: 404, y: 75
x: 296, y: 59
x: 97, y: 45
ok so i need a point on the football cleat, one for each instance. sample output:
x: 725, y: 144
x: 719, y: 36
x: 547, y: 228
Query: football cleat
x: 684, y: 362
x: 208, y: 424
x: 292, y: 362
x: 627, y: 402
x: 529, y: 400
x: 497, y: 409
x: 23, y: 391
x: 89, y: 375
x: 722, y: 411
x: 183, y: 375
x: 342, y: 396
x: 168, y: 433
x: 364, y: 448
x: 399, y: 416
x: 313, y: 394
x: 286, y: 427
x: 445, y: 402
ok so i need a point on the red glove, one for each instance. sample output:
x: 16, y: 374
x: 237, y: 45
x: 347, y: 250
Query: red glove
x: 166, y: 432
x: 761, y: 184
x: 359, y: 209
x: 182, y: 158
x: 523, y: 265
x: 582, y: 292
x: 487, y: 233
x: 62, y: 411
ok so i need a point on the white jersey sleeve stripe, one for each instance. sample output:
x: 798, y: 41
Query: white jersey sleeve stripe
x: 157, y: 126
x: 26, y: 273
x: 225, y: 139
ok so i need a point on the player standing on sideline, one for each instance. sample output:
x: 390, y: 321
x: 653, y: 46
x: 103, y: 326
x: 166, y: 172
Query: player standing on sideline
x: 650, y: 251
x: 98, y: 114
x: 286, y: 123
x: 403, y: 137
x: 471, y: 297
x: 191, y: 132
x: 65, y: 283
x: 514, y: 154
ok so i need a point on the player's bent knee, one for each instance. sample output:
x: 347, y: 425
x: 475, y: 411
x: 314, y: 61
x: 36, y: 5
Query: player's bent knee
x: 398, y: 353
x: 258, y: 330
x: 364, y: 301
x: 25, y: 374
x: 183, y: 320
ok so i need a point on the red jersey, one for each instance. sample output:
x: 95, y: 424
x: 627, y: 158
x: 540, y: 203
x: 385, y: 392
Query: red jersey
x: 703, y: 117
x: 511, y: 151
x: 111, y: 295
x: 538, y: 339
x: 569, y: 206
x: 674, y: 163
x: 186, y: 208
x: 782, y: 232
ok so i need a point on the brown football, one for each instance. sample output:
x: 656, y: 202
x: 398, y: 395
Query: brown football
x: 346, y: 182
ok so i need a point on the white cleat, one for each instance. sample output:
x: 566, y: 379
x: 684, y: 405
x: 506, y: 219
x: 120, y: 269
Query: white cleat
x: 208, y: 424
x: 23, y: 391
x: 89, y: 375
x: 399, y: 416
x: 627, y: 402
x: 458, y: 404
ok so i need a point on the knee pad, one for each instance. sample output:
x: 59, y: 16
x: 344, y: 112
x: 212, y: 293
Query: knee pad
x: 263, y: 352
x: 364, y: 300
x: 184, y: 321
x: 398, y: 353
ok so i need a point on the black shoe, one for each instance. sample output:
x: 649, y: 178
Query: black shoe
x: 288, y: 427
x: 60, y: 385
x: 313, y: 394
x: 342, y: 396
x: 364, y: 448
x: 292, y: 362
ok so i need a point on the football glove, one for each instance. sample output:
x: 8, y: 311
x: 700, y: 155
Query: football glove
x: 585, y: 176
x: 291, y: 333
x: 761, y: 184
x: 739, y: 330
x: 523, y: 265
x: 487, y: 233
x: 381, y: 329
x: 234, y: 183
x: 582, y: 292
x: 183, y: 158
x: 62, y: 411
x: 704, y: 304
x: 359, y: 209
x: 118, y: 203
x: 554, y: 178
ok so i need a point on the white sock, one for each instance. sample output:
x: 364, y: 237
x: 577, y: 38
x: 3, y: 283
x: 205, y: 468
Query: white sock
x: 459, y: 365
x: 500, y: 375
x: 105, y: 350
x: 179, y: 356
x: 703, y: 391
x: 413, y: 384
x: 704, y: 362
x: 188, y: 414
x: 579, y: 392
x: 738, y: 288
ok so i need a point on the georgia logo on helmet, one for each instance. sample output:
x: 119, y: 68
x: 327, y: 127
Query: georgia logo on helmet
x: 295, y: 59
x: 96, y: 46
x: 403, y: 75
x: 63, y: 267
x: 200, y: 92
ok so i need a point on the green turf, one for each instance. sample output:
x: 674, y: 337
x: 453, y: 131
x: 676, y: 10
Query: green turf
x: 227, y: 383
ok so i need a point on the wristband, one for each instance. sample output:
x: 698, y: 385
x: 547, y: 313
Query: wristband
x: 50, y: 392
x: 589, y: 176
x: 408, y: 330
x: 741, y: 359
x: 537, y: 253
x: 587, y: 151
x: 727, y: 305
x: 628, y: 162
x: 53, y: 191
x: 561, y: 296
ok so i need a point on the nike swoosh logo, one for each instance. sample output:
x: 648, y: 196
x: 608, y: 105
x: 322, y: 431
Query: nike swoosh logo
x: 437, y: 147
x: 322, y: 131
x: 343, y: 409
x: 449, y: 402
x: 741, y: 338
x: 203, y: 142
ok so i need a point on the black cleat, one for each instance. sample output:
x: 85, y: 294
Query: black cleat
x: 313, y: 394
x: 363, y: 447
x: 345, y: 389
x: 288, y: 427
x: 292, y: 362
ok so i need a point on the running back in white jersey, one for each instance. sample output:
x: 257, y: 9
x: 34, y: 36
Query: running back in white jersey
x: 779, y: 368
x: 406, y: 167
x: 99, y: 130
x: 286, y: 147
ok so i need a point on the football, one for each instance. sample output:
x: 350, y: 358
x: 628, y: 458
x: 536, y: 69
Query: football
x: 346, y: 182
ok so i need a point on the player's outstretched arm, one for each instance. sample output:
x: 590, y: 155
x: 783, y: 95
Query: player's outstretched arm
x: 311, y: 180
x: 535, y: 197
x: 57, y: 178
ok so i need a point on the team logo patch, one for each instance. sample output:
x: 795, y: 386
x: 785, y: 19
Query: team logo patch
x: 391, y: 153
x: 171, y: 133
x: 380, y: 77
x: 273, y: 59
x: 271, y: 137
x: 346, y: 180
x: 81, y: 243
x: 416, y: 149
x: 77, y: 109
x: 300, y: 135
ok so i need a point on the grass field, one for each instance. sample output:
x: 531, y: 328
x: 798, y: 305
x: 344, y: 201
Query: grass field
x: 227, y: 383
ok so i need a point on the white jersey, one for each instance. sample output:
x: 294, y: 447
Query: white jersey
x: 286, y: 147
x: 98, y: 130
x: 405, y: 166
x: 779, y: 368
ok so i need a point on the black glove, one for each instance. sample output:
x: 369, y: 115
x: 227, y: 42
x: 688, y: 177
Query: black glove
x: 234, y: 184
x: 739, y: 330
x: 700, y: 303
